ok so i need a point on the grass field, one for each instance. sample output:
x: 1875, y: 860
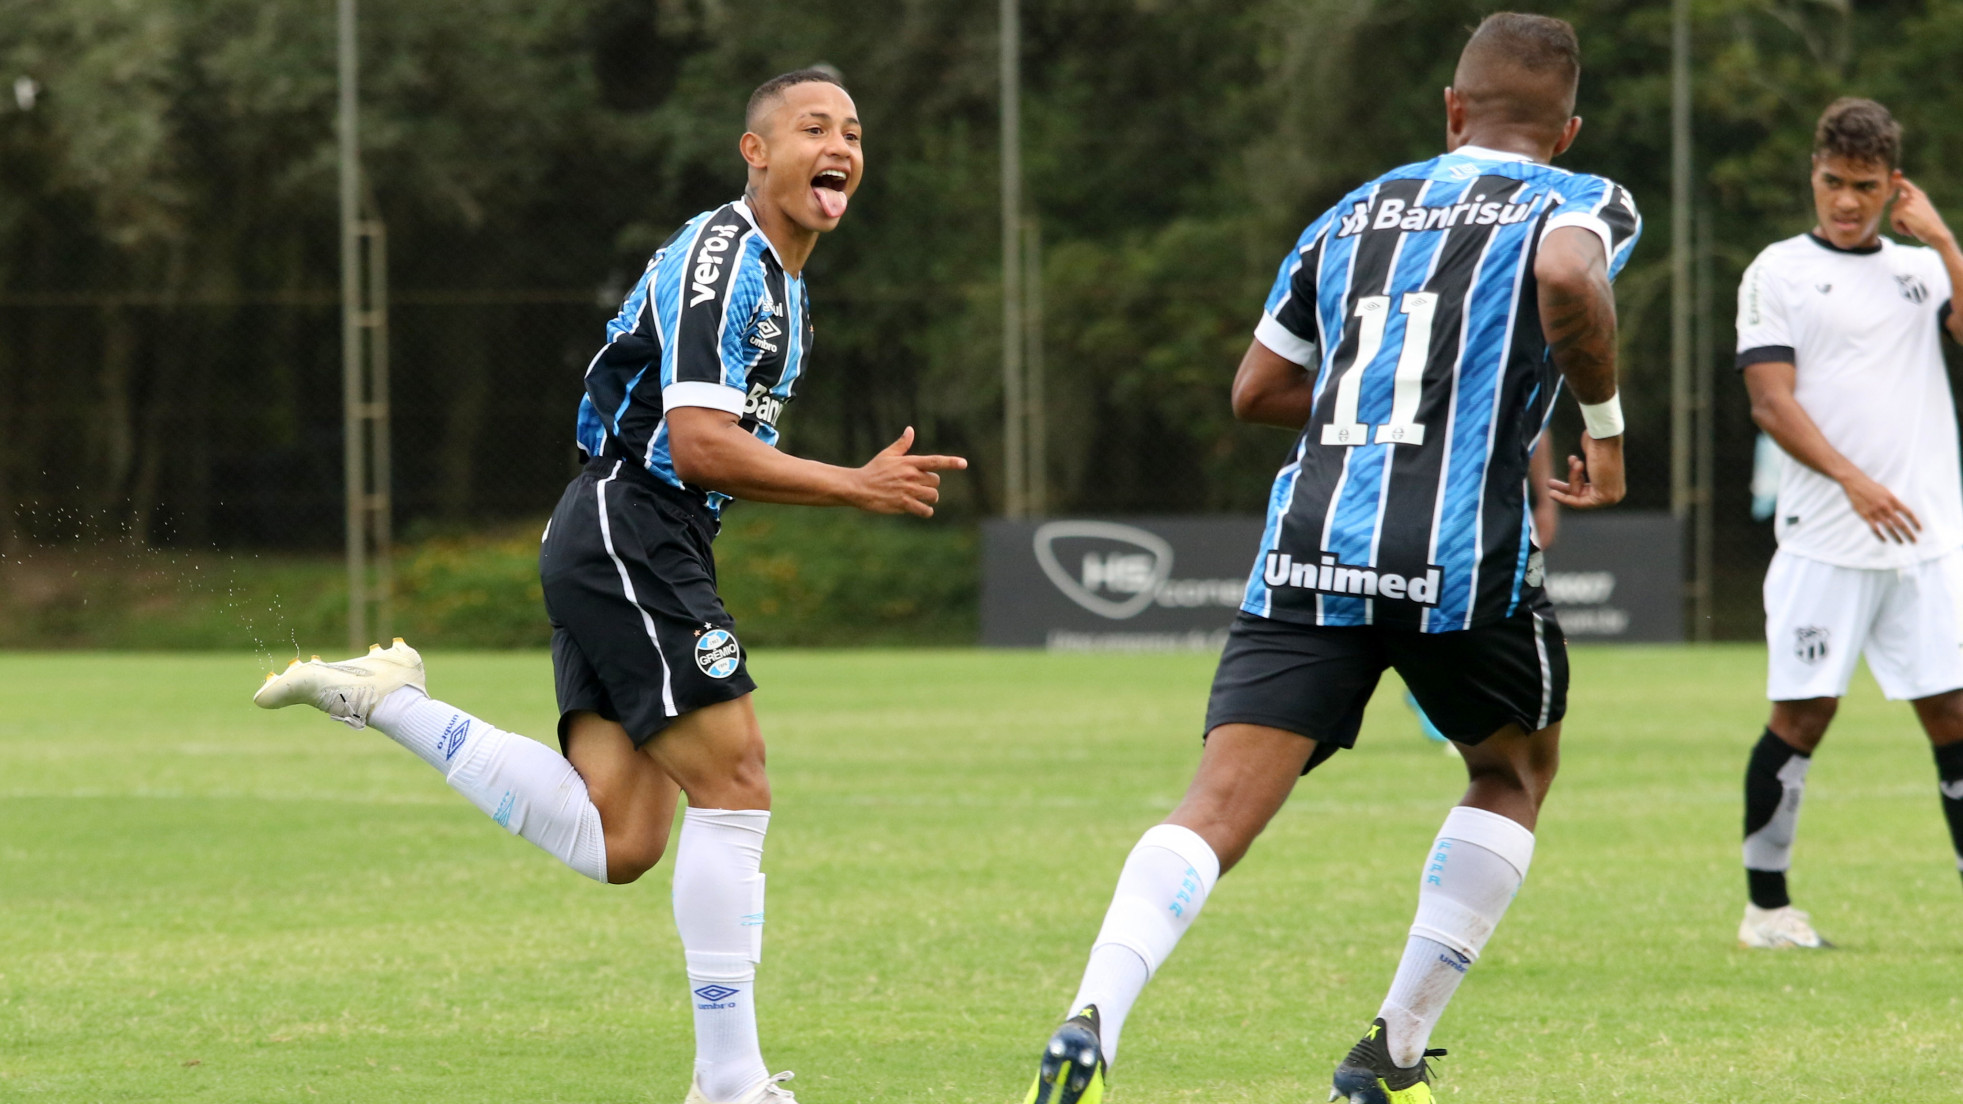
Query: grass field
x: 203, y: 902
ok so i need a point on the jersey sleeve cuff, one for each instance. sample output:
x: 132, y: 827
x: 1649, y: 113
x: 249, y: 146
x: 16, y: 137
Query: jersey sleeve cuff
x: 1587, y: 221
x: 1285, y: 343
x: 714, y: 396
x: 1766, y: 354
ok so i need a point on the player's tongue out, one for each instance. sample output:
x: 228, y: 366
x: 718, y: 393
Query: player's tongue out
x: 829, y: 188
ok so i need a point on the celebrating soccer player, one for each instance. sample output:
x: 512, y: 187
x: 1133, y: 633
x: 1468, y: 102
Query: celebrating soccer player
x: 1417, y: 336
x: 1838, y: 339
x: 680, y: 415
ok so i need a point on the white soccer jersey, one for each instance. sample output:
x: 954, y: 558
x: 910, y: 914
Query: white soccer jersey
x: 1863, y: 329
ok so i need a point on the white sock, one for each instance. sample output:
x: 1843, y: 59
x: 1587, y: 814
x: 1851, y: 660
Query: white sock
x: 1476, y: 866
x: 523, y: 785
x: 719, y: 913
x: 1166, y: 879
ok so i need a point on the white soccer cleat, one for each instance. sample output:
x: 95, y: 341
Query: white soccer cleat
x: 1776, y: 929
x: 766, y: 1093
x: 347, y: 691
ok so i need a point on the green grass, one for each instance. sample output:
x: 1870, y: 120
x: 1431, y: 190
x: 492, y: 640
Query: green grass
x: 202, y: 902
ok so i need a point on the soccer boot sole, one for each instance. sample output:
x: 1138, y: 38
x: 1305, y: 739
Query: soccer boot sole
x: 1072, y: 1067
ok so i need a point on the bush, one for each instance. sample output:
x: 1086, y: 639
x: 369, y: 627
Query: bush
x: 791, y: 576
x: 795, y: 576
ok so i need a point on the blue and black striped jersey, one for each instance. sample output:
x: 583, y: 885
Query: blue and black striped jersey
x: 1413, y: 301
x: 714, y: 321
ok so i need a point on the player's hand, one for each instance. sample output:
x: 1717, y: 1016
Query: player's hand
x: 1593, y: 482
x: 894, y: 482
x: 1887, y: 516
x: 1915, y: 216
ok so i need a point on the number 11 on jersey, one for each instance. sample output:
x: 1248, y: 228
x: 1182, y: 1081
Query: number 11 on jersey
x: 1373, y: 314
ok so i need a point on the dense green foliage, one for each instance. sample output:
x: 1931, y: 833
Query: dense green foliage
x: 209, y: 903
x: 167, y: 250
x: 788, y: 576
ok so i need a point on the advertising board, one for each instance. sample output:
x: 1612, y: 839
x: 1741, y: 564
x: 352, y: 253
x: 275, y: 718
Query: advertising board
x: 1174, y: 583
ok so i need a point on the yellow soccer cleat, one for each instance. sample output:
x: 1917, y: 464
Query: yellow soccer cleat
x: 347, y: 691
x: 1368, y: 1076
x: 1072, y: 1067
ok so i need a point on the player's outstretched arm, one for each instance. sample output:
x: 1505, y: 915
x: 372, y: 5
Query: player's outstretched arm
x: 1577, y: 316
x: 1777, y: 411
x: 711, y: 450
x: 1270, y: 389
x: 1915, y: 216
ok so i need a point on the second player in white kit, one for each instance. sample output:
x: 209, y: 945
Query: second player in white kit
x: 1860, y: 327
x: 1839, y: 341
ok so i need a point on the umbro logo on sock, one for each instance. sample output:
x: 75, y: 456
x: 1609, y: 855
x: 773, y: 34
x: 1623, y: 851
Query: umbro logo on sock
x: 716, y: 995
x: 453, y: 736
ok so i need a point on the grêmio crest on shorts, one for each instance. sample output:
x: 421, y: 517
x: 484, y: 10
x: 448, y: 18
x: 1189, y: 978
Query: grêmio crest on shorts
x: 1413, y: 302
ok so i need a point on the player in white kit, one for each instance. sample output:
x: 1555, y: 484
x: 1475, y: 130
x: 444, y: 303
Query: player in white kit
x: 1839, y: 341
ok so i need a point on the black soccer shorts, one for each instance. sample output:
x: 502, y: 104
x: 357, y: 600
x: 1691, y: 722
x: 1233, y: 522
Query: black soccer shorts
x: 639, y: 634
x: 1315, y: 680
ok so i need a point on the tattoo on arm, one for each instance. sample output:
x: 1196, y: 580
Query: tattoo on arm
x: 1579, y: 323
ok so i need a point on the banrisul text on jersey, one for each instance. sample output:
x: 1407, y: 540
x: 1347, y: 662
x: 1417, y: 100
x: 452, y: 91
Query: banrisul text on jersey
x: 713, y: 321
x: 1413, y: 302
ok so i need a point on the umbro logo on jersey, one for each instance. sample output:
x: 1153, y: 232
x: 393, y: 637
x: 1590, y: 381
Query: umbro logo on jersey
x: 1913, y: 289
x: 1395, y: 214
x: 1330, y: 577
x: 762, y: 405
x: 708, y: 264
x: 766, y: 330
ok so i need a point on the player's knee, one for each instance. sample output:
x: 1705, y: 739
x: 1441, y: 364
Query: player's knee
x: 739, y: 782
x: 1942, y: 716
x: 1505, y: 774
x: 1529, y: 773
x: 1803, y: 724
x: 628, y: 859
x: 746, y: 782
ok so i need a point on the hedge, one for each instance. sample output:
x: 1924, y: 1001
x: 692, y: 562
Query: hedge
x: 790, y: 576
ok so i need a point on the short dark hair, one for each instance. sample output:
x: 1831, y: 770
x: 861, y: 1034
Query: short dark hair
x: 1858, y: 130
x: 775, y: 86
x: 1540, y: 48
x: 1536, y: 43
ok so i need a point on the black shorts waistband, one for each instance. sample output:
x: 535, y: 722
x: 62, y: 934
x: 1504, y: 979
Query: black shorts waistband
x: 630, y: 471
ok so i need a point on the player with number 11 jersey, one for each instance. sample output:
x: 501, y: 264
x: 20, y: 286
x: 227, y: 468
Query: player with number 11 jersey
x: 1415, y: 340
x: 1404, y: 502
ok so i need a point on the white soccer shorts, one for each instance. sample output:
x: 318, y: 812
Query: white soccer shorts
x: 1820, y: 619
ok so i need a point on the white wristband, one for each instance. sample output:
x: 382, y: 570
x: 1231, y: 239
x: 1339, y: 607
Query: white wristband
x: 1604, y: 419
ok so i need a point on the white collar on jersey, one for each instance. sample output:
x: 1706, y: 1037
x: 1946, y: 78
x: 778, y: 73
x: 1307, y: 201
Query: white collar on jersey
x: 1484, y: 154
x: 742, y: 206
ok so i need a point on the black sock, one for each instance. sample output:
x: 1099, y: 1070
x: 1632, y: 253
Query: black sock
x: 1949, y: 768
x: 1771, y: 817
